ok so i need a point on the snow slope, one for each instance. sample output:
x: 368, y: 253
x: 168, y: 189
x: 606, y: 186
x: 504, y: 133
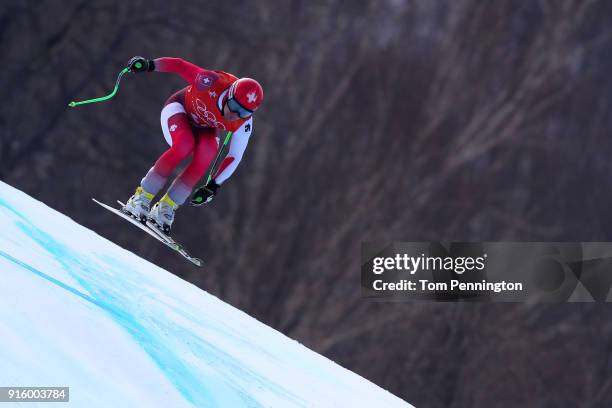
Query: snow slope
x: 77, y: 310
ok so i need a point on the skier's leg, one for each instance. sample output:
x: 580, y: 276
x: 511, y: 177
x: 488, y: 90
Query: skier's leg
x: 162, y: 214
x: 178, y: 133
x: 206, y: 146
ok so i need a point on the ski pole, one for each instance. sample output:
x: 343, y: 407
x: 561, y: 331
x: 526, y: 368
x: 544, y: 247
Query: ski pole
x: 214, y: 163
x: 197, y: 199
x: 72, y: 104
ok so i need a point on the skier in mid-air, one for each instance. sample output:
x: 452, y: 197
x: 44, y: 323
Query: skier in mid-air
x: 192, y: 118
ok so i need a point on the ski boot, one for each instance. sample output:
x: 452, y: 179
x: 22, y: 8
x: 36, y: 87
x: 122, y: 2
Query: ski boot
x: 162, y: 214
x: 139, y: 204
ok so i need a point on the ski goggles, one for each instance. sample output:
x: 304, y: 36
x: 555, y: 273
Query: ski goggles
x: 237, y: 108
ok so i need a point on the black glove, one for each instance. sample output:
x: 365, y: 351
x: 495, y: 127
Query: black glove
x: 204, y: 194
x: 140, y: 64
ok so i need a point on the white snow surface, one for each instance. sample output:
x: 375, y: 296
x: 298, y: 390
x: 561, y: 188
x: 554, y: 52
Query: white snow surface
x: 77, y: 310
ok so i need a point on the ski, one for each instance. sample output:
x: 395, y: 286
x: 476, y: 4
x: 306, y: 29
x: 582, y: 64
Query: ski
x: 168, y: 240
x: 154, y: 232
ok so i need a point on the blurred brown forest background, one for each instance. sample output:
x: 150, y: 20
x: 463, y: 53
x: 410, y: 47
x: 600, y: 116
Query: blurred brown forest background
x: 383, y: 120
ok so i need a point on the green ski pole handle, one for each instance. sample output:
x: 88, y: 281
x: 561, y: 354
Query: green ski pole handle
x: 103, y: 98
x: 197, y: 199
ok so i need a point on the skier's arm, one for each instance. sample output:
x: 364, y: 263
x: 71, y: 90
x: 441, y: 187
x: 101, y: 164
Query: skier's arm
x: 186, y: 70
x: 240, y: 140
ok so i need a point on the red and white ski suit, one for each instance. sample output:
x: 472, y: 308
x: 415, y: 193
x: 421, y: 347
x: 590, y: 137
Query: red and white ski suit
x: 191, y: 120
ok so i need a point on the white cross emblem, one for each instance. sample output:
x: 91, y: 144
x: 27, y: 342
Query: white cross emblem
x: 252, y: 97
x: 173, y: 128
x: 206, y: 80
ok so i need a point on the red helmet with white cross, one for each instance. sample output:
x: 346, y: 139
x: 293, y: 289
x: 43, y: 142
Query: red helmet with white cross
x: 247, y: 93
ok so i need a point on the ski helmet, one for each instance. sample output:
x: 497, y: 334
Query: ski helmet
x: 244, y: 97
